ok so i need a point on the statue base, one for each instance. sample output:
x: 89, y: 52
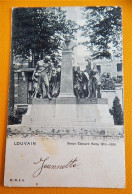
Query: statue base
x: 69, y: 112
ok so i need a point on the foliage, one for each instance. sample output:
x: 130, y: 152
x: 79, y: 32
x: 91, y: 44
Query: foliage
x: 39, y: 30
x: 107, y: 82
x: 103, y: 31
x: 15, y: 117
x: 117, y: 112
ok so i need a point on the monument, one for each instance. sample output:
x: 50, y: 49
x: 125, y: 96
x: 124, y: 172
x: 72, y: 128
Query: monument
x: 66, y: 111
x: 66, y: 86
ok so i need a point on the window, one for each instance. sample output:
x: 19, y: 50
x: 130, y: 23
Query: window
x: 99, y: 68
x: 119, y: 79
x: 119, y: 67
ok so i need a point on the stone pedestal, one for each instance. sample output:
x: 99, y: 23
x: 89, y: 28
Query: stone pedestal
x: 88, y: 113
x: 66, y: 95
x: 66, y: 87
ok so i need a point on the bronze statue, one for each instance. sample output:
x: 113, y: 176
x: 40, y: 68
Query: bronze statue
x: 43, y: 69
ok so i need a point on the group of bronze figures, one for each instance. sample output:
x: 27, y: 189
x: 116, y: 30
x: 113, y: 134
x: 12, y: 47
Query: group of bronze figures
x: 86, y: 83
x: 47, y: 77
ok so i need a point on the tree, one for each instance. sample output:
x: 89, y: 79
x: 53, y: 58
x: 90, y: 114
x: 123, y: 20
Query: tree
x: 117, y: 112
x: 103, y: 31
x: 39, y: 30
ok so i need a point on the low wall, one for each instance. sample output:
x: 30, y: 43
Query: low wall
x: 111, y: 94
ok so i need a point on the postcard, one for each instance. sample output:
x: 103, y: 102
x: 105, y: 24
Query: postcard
x: 65, y: 112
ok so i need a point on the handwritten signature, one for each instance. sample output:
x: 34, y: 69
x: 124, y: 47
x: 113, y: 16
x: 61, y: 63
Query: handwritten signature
x: 44, y: 165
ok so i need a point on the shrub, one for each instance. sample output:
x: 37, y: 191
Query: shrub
x: 15, y: 117
x: 107, y: 82
x: 117, y: 112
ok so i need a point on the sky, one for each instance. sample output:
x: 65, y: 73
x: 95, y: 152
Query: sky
x: 80, y: 51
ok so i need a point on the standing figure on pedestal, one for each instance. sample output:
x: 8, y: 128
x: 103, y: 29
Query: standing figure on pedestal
x: 77, y: 82
x: 53, y: 82
x: 99, y: 90
x: 44, y: 70
x: 58, y: 80
x: 85, y: 81
x: 55, y: 79
x: 35, y: 79
x: 94, y: 85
